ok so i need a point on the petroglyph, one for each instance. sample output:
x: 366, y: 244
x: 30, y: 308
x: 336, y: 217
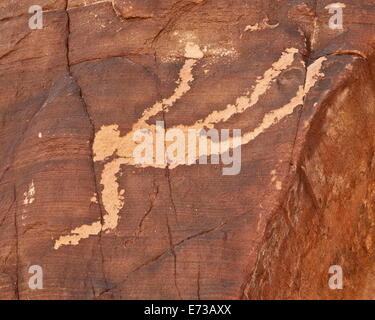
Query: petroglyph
x: 109, y: 142
x: 29, y: 194
x: 278, y: 184
x: 261, y: 26
x: 335, y: 5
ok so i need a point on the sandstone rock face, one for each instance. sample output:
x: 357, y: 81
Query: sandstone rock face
x: 74, y: 201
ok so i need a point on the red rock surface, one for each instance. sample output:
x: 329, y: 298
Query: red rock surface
x: 73, y: 202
